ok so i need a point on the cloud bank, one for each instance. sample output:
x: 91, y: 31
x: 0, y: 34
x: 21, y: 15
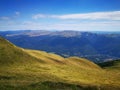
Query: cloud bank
x: 113, y: 15
x: 96, y: 21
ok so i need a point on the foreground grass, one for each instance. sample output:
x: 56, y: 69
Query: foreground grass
x: 35, y: 76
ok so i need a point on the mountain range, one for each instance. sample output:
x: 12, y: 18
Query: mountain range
x: 95, y: 46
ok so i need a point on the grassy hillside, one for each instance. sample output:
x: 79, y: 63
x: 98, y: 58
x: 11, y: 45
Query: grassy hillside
x: 10, y: 54
x: 22, y: 69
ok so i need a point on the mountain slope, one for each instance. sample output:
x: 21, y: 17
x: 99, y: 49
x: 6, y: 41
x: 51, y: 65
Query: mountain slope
x: 113, y: 69
x: 10, y: 54
x: 51, y: 58
x: 37, y: 70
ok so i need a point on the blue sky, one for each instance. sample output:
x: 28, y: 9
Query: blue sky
x: 82, y: 15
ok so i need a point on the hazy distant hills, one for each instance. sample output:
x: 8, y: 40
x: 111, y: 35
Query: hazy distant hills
x: 25, y: 69
x: 97, y: 47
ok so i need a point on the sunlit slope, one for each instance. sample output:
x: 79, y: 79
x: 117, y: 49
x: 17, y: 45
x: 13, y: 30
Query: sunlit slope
x: 10, y: 54
x: 48, y: 58
x: 51, y: 58
x: 82, y: 62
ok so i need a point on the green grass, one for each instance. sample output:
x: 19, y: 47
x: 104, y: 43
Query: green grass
x: 22, y: 69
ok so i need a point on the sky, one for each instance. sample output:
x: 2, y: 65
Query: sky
x: 82, y: 15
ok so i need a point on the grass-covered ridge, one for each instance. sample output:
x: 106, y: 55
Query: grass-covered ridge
x: 10, y: 54
x: 22, y: 69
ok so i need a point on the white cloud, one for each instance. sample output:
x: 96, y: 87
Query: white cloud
x: 88, y: 21
x: 81, y: 26
x: 85, y: 26
x: 113, y: 15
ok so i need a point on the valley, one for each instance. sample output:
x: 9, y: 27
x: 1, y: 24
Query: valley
x: 97, y: 47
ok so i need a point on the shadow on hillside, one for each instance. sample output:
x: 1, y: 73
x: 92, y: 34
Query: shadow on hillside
x: 48, y: 85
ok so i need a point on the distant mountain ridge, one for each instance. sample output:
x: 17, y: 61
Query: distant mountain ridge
x: 94, y: 46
